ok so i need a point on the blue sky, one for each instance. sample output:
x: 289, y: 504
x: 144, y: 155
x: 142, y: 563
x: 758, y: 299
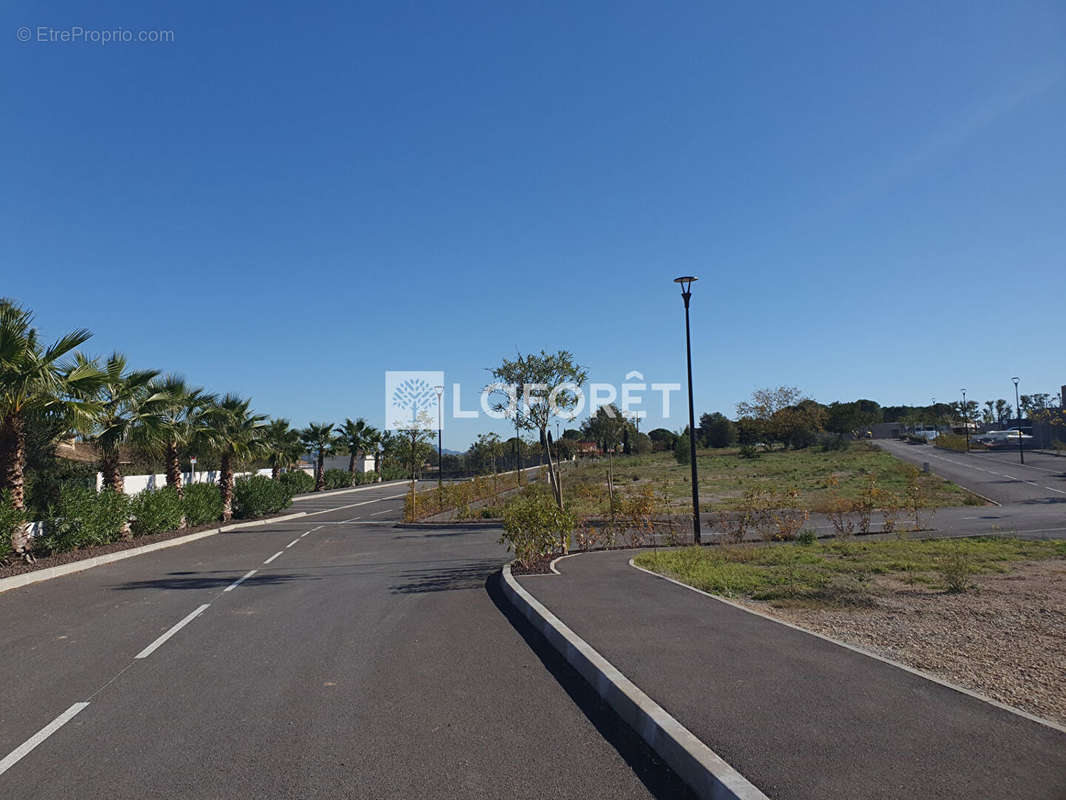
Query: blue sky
x: 289, y: 199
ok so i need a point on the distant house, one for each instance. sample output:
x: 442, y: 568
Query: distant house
x: 886, y: 430
x: 587, y: 448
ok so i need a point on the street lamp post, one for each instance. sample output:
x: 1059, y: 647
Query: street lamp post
x: 1018, y: 405
x: 440, y: 439
x: 966, y: 419
x: 686, y: 295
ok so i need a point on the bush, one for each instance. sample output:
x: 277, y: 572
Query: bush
x: 950, y: 441
x: 10, y: 518
x: 835, y: 442
x: 806, y: 537
x: 682, y: 449
x: 155, y: 511
x: 337, y: 478
x: 748, y: 451
x: 258, y: 495
x: 202, y: 503
x: 83, y: 518
x: 297, y: 482
x: 533, y: 525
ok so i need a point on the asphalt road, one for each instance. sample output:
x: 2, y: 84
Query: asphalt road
x: 995, y: 474
x: 359, y: 660
x: 798, y: 716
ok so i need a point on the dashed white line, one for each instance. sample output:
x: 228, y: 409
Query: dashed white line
x: 294, y: 541
x: 274, y: 556
x: 16, y: 755
x: 240, y: 580
x: 383, y: 511
x: 158, y: 642
x: 302, y: 535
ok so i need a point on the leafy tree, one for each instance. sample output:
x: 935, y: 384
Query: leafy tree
x: 606, y: 427
x: 548, y: 375
x: 764, y: 403
x: 682, y: 449
x: 318, y: 438
x: 237, y: 434
x: 717, y: 430
x: 662, y: 439
x: 1003, y: 411
x: 572, y: 434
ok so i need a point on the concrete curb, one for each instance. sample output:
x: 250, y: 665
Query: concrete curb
x: 699, y: 766
x: 334, y: 492
x: 46, y: 574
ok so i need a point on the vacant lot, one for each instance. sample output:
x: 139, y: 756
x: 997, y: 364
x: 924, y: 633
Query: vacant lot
x: 1001, y: 632
x: 819, y: 477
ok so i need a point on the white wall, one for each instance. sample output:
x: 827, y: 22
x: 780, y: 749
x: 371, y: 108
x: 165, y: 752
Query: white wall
x: 138, y: 483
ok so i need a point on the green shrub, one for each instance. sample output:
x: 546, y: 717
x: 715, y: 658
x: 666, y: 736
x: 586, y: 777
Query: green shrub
x: 950, y: 441
x: 337, y: 478
x: 10, y: 518
x: 155, y: 511
x: 835, y: 442
x: 297, y: 481
x: 748, y: 451
x: 258, y: 495
x: 806, y: 537
x: 83, y: 518
x: 682, y: 449
x: 533, y: 525
x: 202, y: 503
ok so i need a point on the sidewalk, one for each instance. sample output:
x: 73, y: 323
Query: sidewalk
x: 798, y: 716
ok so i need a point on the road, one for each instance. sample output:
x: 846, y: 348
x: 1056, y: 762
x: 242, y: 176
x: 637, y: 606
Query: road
x: 996, y: 474
x: 332, y: 656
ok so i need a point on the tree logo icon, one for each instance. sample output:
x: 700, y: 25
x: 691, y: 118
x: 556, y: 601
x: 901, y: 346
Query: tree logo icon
x: 409, y: 397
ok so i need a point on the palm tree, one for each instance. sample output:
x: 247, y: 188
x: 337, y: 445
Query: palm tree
x: 355, y: 438
x: 181, y: 422
x: 373, y: 441
x: 34, y: 378
x: 317, y: 437
x: 283, y: 442
x: 128, y: 407
x: 237, y: 433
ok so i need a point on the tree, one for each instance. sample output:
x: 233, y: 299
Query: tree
x: 556, y: 379
x: 662, y: 439
x: 764, y: 403
x: 682, y: 449
x: 126, y: 405
x: 716, y: 430
x: 415, y: 444
x: 35, y: 379
x: 180, y: 422
x: 354, y: 437
x: 283, y: 444
x: 486, y: 451
x: 606, y: 427
x: 237, y: 434
x: 1003, y: 411
x: 317, y: 437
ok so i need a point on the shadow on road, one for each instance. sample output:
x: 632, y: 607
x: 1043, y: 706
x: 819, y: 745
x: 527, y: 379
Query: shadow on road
x: 193, y: 580
x: 467, y: 575
x: 655, y: 774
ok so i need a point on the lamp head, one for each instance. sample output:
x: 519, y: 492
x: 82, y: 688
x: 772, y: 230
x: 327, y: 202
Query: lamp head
x: 686, y: 283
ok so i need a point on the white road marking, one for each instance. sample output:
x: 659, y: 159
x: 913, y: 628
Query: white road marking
x: 383, y: 511
x: 159, y: 642
x: 240, y: 580
x: 16, y: 755
x: 274, y: 556
x: 294, y: 541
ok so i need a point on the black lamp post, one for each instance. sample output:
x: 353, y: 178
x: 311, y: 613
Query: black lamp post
x: 440, y: 438
x: 1018, y: 405
x: 686, y: 295
x: 966, y: 419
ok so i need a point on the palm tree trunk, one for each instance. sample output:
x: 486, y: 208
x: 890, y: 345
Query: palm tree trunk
x: 275, y: 470
x: 12, y: 465
x: 225, y: 486
x: 173, y: 467
x: 113, y: 480
x: 351, y: 464
x: 320, y: 478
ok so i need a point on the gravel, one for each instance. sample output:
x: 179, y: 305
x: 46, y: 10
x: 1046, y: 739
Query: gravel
x: 1005, y: 638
